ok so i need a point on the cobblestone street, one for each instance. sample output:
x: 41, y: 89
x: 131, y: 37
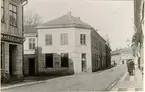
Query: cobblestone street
x: 97, y: 81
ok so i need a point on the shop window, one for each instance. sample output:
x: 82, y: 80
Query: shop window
x: 49, y: 60
x: 64, y: 60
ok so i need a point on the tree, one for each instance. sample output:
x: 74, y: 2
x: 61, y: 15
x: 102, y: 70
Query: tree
x: 32, y: 19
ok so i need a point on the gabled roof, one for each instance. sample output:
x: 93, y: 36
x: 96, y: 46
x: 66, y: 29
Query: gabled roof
x: 30, y: 29
x: 66, y: 21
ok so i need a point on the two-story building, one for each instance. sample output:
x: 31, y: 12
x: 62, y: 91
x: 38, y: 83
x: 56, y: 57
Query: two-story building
x: 121, y: 56
x: 12, y: 37
x: 68, y: 45
x: 30, y: 50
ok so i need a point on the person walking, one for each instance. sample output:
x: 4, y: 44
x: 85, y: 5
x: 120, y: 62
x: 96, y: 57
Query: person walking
x: 132, y: 67
x: 129, y: 67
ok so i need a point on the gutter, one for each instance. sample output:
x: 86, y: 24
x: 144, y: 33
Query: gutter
x: 26, y: 2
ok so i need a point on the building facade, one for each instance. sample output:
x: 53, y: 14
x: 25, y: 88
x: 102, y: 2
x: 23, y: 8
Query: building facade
x: 68, y: 45
x: 121, y: 56
x: 12, y: 37
x: 30, y: 50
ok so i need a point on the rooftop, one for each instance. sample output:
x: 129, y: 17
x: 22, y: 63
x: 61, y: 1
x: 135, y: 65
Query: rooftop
x: 122, y: 51
x: 66, y: 21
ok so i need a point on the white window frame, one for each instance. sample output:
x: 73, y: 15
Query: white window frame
x: 64, y: 39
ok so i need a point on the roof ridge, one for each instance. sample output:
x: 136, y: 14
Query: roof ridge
x: 70, y: 18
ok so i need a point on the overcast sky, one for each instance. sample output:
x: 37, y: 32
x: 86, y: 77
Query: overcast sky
x: 114, y: 18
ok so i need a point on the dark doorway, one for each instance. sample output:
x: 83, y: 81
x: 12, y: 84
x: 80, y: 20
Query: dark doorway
x: 31, y: 66
x: 64, y: 60
x: 12, y: 57
x: 49, y: 60
x: 84, y: 65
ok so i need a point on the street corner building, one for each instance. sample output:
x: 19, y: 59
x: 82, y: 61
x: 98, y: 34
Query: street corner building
x: 12, y: 37
x: 67, y: 45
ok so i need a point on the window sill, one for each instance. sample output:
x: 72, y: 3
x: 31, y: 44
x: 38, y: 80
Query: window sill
x: 14, y: 26
x: 83, y: 44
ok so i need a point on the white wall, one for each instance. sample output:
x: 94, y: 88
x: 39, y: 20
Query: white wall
x: 116, y: 58
x: 26, y: 45
x: 73, y: 48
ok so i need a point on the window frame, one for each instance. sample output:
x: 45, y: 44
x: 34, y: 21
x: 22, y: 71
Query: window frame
x: 83, y: 39
x: 48, y: 39
x: 2, y: 10
x: 64, y: 39
x: 14, y: 15
x: 31, y: 43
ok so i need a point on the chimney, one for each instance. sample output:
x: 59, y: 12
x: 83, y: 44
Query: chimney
x: 78, y: 17
x: 69, y: 13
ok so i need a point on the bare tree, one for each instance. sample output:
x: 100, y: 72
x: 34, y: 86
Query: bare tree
x: 32, y: 19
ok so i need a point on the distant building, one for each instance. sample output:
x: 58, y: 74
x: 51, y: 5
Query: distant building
x: 120, y: 56
x: 68, y: 45
x: 30, y: 50
x: 12, y: 37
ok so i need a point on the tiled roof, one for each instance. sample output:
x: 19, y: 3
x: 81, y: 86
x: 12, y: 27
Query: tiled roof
x: 65, y: 21
x: 30, y: 29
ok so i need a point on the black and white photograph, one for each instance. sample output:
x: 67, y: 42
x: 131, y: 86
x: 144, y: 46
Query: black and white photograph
x: 72, y: 45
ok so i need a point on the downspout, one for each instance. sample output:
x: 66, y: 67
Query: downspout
x: 23, y: 34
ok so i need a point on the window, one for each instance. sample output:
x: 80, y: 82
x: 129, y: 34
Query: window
x: 49, y: 60
x: 13, y: 15
x: 2, y: 11
x: 64, y: 39
x: 83, y: 39
x: 32, y: 43
x: 48, y: 39
x: 64, y: 60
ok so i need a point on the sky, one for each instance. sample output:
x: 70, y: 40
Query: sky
x: 113, y: 18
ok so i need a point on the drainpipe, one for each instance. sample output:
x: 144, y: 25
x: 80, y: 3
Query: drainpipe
x: 26, y: 2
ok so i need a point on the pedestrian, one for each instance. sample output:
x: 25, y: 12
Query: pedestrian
x: 129, y: 67
x: 132, y: 67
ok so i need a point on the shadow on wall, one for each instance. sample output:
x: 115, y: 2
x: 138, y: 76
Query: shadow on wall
x: 53, y: 63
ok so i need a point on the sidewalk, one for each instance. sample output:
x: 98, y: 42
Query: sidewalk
x: 130, y: 83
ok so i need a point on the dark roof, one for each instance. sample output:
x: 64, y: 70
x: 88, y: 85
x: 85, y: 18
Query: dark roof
x: 66, y: 21
x: 30, y: 29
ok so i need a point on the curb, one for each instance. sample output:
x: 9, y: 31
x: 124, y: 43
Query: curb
x: 114, y: 82
x: 20, y: 85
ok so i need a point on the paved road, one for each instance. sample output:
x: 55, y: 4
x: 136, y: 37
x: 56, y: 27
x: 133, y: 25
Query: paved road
x: 97, y: 81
